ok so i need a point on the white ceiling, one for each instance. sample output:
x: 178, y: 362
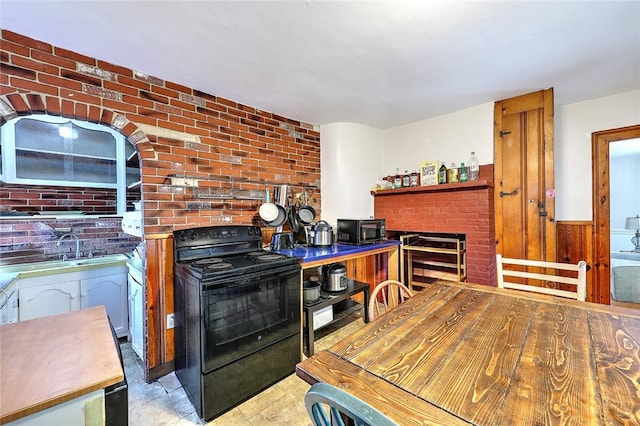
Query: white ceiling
x: 379, y: 63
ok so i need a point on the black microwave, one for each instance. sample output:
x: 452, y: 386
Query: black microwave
x: 360, y: 231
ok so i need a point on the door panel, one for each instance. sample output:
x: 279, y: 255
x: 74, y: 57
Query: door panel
x: 523, y: 146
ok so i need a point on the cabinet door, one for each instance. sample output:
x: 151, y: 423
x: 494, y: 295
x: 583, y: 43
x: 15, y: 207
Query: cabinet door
x: 49, y: 299
x: 9, y: 311
x: 135, y: 316
x: 110, y: 291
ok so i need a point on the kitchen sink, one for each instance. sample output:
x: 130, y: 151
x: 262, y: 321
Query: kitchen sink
x: 64, y: 264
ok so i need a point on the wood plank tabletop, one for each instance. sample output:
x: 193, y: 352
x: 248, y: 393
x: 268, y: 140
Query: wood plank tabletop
x: 51, y: 360
x: 489, y: 356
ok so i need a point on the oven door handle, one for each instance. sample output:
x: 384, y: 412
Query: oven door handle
x: 241, y: 280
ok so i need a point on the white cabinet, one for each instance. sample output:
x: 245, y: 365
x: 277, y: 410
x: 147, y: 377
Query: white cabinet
x: 111, y: 291
x: 39, y: 297
x: 136, y: 312
x: 88, y: 409
x: 9, y: 310
x: 52, y: 294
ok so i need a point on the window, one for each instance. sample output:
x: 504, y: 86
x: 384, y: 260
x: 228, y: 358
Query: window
x: 54, y: 151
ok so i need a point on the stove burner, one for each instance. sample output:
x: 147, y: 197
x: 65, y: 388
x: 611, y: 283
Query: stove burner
x: 220, y: 266
x: 269, y: 257
x: 207, y: 262
x: 254, y: 254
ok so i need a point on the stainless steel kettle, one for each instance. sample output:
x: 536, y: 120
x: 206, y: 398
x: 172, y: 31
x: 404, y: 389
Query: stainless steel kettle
x: 322, y: 234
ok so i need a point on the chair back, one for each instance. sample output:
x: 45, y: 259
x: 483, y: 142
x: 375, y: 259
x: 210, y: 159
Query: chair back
x: 323, y: 399
x: 391, y: 292
x: 543, y: 277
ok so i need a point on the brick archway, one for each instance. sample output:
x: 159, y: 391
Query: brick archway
x: 19, y: 104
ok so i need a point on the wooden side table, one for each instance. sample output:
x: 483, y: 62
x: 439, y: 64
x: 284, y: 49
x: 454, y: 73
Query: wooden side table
x: 338, y: 300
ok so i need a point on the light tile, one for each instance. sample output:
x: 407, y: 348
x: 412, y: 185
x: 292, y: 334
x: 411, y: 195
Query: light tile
x: 164, y: 402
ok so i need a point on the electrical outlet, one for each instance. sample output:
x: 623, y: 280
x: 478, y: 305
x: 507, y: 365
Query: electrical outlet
x: 170, y: 323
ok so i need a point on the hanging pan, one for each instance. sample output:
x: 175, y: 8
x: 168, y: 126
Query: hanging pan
x: 306, y: 213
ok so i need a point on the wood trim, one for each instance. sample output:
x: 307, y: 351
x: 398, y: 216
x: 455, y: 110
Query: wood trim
x: 601, y: 207
x: 549, y: 179
x: 574, y: 242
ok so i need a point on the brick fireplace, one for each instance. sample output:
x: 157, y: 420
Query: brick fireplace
x: 457, y: 208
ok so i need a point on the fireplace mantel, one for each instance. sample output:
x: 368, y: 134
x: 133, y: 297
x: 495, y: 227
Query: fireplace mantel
x: 462, y: 186
x: 457, y: 208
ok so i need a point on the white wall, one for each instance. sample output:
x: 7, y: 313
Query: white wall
x: 449, y: 138
x: 353, y: 156
x: 574, y: 125
x: 351, y: 163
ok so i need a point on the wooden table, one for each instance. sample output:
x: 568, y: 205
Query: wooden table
x: 459, y: 354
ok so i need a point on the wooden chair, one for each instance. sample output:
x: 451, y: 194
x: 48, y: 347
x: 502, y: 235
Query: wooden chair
x: 542, y: 276
x: 392, y: 294
x: 323, y: 398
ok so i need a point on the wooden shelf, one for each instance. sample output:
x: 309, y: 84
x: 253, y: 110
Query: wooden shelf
x: 433, y: 257
x: 461, y: 186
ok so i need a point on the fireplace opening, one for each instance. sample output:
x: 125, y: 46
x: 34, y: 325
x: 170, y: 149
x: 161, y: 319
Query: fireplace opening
x: 427, y: 257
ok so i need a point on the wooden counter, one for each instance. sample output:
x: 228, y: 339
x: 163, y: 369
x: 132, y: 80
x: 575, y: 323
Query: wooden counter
x: 387, y: 250
x: 51, y: 360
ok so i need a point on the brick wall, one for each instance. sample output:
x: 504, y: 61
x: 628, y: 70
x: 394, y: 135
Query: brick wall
x: 35, y: 239
x: 177, y: 130
x: 455, y: 208
x: 40, y: 198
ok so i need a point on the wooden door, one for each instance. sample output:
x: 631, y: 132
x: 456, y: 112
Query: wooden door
x: 524, y: 180
x: 601, y: 208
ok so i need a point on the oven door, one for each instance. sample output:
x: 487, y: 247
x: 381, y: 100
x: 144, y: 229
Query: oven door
x: 242, y: 315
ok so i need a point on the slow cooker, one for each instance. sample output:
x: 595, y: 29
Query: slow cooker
x: 335, y: 277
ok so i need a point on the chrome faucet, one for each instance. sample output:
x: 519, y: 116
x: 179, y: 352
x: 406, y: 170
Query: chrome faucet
x: 72, y: 236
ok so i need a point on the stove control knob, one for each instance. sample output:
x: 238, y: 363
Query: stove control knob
x: 193, y: 236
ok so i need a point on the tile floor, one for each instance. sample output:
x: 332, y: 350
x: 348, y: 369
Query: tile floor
x: 164, y: 402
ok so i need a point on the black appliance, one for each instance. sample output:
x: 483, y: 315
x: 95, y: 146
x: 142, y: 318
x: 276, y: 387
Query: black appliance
x: 116, y: 396
x: 360, y: 231
x: 237, y: 315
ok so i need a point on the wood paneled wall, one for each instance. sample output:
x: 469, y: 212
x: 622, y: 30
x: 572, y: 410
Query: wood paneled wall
x: 574, y: 242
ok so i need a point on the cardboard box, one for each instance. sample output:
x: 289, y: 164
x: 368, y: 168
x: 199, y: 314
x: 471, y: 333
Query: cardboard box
x: 429, y: 172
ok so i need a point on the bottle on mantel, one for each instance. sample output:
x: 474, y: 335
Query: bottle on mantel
x: 442, y: 173
x: 397, y: 180
x: 453, y: 173
x: 413, y: 179
x: 474, y: 167
x: 406, y: 179
x: 463, y: 173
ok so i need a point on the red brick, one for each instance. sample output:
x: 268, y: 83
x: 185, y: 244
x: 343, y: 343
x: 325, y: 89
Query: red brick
x: 32, y: 86
x: 34, y: 65
x: 74, y: 56
x: 121, y: 88
x: 114, y: 68
x: 26, y: 41
x: 178, y: 87
x: 94, y: 114
x: 79, y: 96
x: 53, y: 105
x: 61, y: 82
x: 54, y: 60
x: 35, y: 103
x: 81, y: 112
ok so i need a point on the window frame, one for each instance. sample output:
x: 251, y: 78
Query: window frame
x: 8, y: 156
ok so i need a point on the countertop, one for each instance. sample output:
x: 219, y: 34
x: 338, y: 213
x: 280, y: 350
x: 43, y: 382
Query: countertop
x: 315, y: 254
x: 51, y: 360
x: 9, y: 273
